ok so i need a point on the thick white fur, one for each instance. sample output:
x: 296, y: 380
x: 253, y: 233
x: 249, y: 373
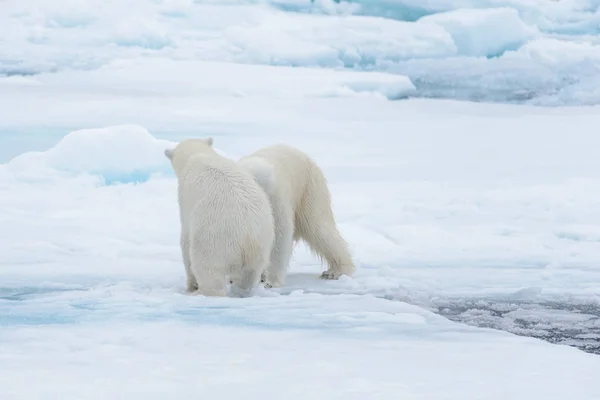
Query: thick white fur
x: 301, y: 206
x: 226, y: 220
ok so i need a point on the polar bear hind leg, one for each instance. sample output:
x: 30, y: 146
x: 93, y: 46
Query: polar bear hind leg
x: 274, y: 275
x: 210, y: 277
x: 247, y: 274
x: 191, y: 284
x: 315, y: 224
x: 245, y: 281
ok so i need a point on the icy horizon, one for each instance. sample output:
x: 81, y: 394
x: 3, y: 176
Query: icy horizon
x: 540, y: 52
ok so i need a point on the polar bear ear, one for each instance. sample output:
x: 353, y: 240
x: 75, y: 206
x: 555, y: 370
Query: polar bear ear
x: 209, y: 141
x: 169, y: 154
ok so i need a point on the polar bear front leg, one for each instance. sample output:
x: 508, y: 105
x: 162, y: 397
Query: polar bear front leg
x: 283, y: 245
x: 191, y: 284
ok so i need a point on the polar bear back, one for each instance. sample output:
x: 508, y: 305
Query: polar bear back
x: 293, y: 172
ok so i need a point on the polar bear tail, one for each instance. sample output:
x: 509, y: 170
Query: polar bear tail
x: 262, y: 172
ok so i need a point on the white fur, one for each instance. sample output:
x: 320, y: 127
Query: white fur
x: 226, y: 220
x: 301, y: 205
x: 262, y: 172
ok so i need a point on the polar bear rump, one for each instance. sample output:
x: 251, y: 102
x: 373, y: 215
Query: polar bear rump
x: 226, y: 220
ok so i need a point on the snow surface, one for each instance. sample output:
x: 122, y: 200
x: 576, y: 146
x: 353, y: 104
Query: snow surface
x: 454, y: 211
x: 543, y: 52
x: 443, y: 203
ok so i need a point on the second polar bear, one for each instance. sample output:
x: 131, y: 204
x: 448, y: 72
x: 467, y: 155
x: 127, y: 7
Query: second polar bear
x: 226, y: 220
x: 301, y: 205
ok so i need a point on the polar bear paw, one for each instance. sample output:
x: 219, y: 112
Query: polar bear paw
x: 331, y: 275
x: 271, y: 282
x: 263, y: 280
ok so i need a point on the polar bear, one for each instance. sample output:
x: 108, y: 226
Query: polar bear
x: 301, y: 206
x: 226, y: 220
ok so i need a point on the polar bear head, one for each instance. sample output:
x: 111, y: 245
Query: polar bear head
x: 180, y: 154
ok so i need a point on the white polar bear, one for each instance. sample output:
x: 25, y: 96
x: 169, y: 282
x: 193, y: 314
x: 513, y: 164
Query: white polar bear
x: 226, y: 220
x: 301, y: 206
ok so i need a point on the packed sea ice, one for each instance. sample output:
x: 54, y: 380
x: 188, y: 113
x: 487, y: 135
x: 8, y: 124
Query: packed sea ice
x: 475, y: 226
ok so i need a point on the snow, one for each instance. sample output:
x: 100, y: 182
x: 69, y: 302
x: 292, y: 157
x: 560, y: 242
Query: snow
x: 106, y: 152
x: 337, y: 41
x: 154, y: 360
x: 433, y: 213
x: 474, y: 226
x: 485, y: 33
x: 442, y: 46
